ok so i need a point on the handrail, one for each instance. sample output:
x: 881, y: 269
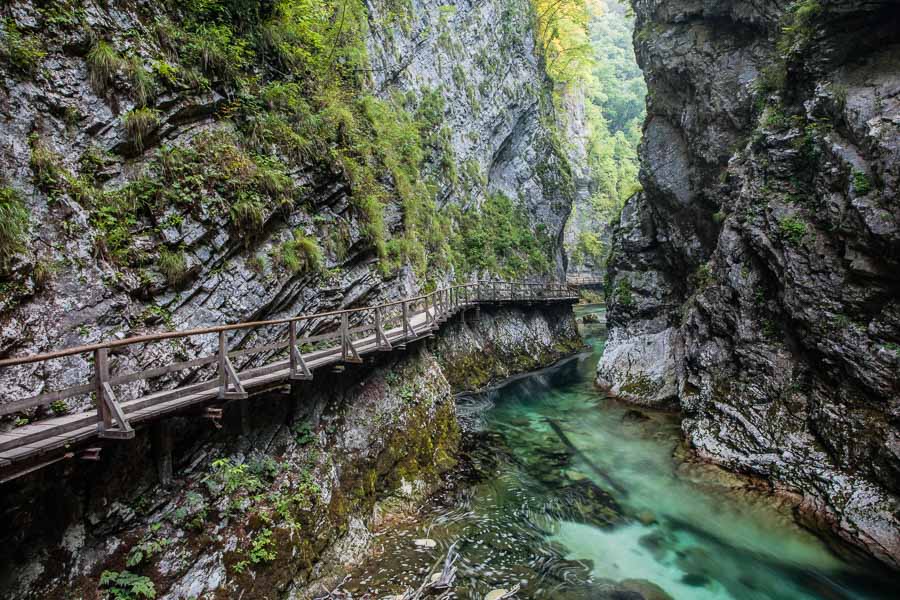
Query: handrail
x: 155, y: 337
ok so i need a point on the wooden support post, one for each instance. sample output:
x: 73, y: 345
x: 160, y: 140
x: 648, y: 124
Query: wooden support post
x: 163, y: 444
x: 227, y: 375
x: 112, y: 422
x: 381, y: 340
x: 348, y: 350
x: 299, y: 370
x: 101, y: 376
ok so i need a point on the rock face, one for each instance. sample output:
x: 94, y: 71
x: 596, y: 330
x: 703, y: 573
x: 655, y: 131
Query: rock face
x: 276, y: 503
x: 754, y: 282
x: 473, y: 70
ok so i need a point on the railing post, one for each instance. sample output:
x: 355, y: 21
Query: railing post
x: 101, y: 376
x: 292, y: 340
x: 405, y: 320
x: 344, y: 322
x: 223, y: 373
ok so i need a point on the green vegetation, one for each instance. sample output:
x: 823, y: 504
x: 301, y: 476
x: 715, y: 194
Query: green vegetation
x: 301, y: 254
x: 793, y: 229
x: 624, y: 295
x: 173, y: 265
x: 588, y: 248
x: 499, y: 238
x: 143, y: 83
x: 139, y: 123
x: 14, y: 218
x: 862, y: 185
x: 22, y: 52
x: 294, y: 78
x: 615, y: 111
x: 126, y: 586
x: 103, y: 62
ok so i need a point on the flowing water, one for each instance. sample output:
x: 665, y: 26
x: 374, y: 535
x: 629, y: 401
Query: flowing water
x: 571, y: 495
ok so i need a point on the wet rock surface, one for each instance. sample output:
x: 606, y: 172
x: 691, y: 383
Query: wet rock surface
x: 754, y: 282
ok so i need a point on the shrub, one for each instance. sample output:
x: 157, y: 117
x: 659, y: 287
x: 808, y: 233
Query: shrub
x: 139, y: 123
x: 103, y: 62
x: 793, y: 229
x: 24, y: 53
x: 49, y: 175
x: 13, y: 224
x: 263, y: 547
x: 623, y: 293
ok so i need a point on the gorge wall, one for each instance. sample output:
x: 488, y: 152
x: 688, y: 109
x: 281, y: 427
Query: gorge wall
x: 184, y: 164
x: 755, y: 282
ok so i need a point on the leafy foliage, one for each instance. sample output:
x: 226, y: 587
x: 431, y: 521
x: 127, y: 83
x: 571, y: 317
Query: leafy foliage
x: 616, y: 107
x: 14, y: 218
x: 23, y: 52
x: 139, y: 123
x: 793, y: 229
x: 498, y: 237
x: 125, y: 585
x: 103, y: 63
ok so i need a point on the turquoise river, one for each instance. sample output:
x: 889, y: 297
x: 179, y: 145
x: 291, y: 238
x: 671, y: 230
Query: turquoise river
x: 571, y: 495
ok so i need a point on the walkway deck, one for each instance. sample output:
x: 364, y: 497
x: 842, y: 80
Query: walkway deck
x: 298, y: 349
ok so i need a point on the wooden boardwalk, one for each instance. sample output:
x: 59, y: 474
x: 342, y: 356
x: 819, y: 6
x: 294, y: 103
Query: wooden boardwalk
x: 301, y: 345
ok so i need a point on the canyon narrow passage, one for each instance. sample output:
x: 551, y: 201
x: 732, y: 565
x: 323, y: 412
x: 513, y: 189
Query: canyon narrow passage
x: 531, y: 512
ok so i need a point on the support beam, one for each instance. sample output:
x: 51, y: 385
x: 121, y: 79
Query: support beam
x: 348, y: 350
x: 299, y: 370
x: 227, y: 375
x: 381, y: 340
x: 112, y: 422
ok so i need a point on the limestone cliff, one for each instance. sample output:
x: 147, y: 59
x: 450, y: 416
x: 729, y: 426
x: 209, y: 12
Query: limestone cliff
x: 184, y: 164
x: 754, y: 282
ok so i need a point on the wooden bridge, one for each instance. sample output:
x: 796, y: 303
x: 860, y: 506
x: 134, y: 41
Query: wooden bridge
x: 584, y: 280
x: 302, y: 345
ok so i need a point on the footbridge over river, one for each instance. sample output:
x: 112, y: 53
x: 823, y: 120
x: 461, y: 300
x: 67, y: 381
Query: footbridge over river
x: 292, y: 350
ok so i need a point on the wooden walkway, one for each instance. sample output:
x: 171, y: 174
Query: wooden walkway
x: 302, y: 345
x: 584, y: 280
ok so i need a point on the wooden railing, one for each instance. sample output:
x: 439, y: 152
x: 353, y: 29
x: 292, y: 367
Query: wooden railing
x: 580, y: 280
x: 293, y: 347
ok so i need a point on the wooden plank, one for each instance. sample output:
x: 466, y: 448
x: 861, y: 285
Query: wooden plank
x: 156, y: 372
x: 44, y: 399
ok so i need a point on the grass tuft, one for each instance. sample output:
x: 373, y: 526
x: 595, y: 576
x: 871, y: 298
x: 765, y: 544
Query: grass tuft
x: 103, y: 62
x: 173, y: 265
x: 139, y: 123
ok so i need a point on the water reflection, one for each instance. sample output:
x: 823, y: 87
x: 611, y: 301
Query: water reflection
x: 573, y: 496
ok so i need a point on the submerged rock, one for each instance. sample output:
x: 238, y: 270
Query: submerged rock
x: 647, y: 589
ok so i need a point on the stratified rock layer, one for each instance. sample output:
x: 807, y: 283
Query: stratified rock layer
x: 755, y: 282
